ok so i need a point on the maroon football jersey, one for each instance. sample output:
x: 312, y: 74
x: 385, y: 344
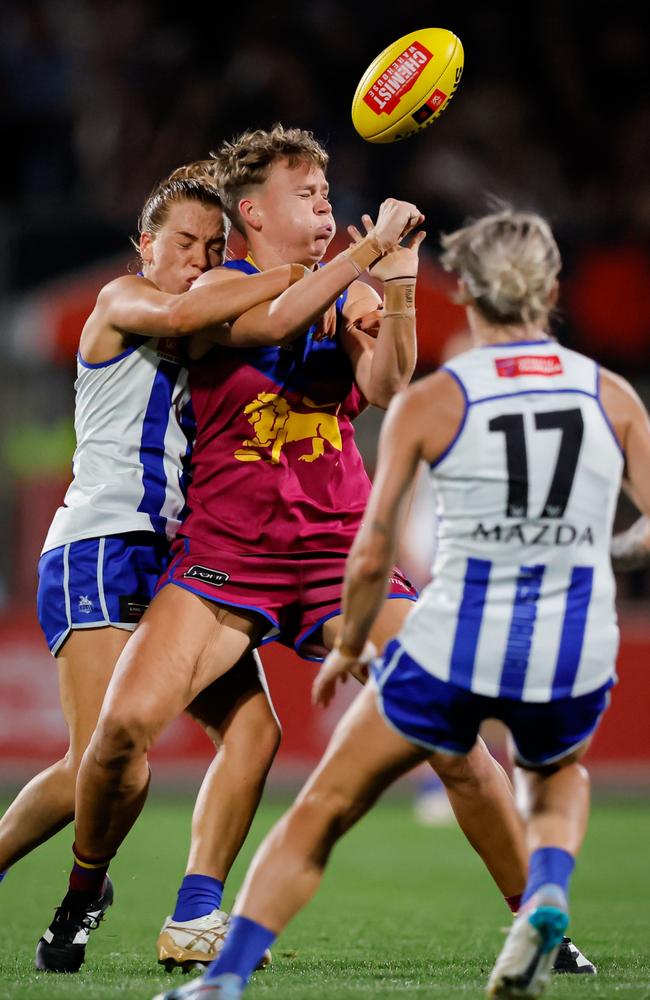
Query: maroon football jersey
x: 275, y: 466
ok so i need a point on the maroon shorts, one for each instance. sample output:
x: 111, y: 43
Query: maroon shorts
x: 296, y: 594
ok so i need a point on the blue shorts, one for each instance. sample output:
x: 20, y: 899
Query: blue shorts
x: 97, y: 582
x: 438, y: 715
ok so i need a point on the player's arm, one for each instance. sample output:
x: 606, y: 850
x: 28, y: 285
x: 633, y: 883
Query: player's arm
x: 237, y: 293
x: 384, y: 364
x: 629, y: 418
x: 295, y: 310
x: 134, y: 307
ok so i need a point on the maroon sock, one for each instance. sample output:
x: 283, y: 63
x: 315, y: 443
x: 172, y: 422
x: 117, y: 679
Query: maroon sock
x: 514, y: 902
x: 87, y: 876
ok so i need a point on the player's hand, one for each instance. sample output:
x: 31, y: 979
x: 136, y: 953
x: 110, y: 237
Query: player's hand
x: 395, y: 220
x: 336, y: 667
x: 370, y: 323
x: 400, y: 262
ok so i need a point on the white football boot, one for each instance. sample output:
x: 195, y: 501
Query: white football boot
x: 191, y: 944
x: 523, y: 969
x: 226, y: 987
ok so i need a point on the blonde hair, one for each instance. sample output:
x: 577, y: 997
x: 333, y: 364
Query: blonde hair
x: 508, y: 262
x: 191, y: 182
x: 247, y: 159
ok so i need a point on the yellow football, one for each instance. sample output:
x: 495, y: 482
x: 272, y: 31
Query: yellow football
x: 408, y: 85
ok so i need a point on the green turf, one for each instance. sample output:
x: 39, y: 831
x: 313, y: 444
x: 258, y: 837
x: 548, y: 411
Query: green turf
x: 404, y: 911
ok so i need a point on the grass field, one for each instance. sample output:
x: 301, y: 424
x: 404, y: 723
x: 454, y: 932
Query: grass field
x: 403, y: 911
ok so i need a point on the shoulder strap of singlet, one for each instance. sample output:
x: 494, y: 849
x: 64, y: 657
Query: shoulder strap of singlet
x: 243, y: 264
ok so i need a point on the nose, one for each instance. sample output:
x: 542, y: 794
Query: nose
x: 323, y: 206
x: 201, y: 257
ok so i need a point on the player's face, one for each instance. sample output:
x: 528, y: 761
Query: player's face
x: 191, y: 241
x: 294, y: 212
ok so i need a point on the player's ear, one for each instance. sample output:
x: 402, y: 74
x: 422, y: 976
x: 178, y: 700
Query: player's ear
x: 146, y: 248
x: 553, y: 295
x: 250, y: 214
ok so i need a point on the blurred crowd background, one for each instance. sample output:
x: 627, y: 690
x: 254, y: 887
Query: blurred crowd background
x: 101, y: 98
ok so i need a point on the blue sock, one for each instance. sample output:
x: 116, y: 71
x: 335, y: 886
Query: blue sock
x: 2, y: 874
x: 548, y: 864
x: 197, y: 896
x: 243, y: 949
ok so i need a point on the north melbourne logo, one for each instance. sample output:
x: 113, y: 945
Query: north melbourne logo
x: 215, y: 577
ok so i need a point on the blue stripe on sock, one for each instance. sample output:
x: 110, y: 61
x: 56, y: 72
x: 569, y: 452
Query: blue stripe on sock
x: 197, y: 896
x: 549, y: 865
x: 242, y: 951
x: 468, y: 626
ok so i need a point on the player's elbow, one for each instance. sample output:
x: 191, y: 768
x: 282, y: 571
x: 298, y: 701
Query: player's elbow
x: 381, y: 392
x: 378, y: 398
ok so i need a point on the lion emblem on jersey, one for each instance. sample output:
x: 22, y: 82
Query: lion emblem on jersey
x: 276, y: 424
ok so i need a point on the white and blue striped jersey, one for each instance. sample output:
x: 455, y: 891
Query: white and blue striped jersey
x: 135, y: 428
x: 521, y: 603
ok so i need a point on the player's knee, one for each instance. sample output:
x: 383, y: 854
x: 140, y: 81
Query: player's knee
x: 330, y: 809
x: 118, y: 739
x: 255, y: 745
x: 266, y: 742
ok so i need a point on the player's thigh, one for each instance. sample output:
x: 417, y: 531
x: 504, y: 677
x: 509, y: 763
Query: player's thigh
x: 364, y: 757
x: 85, y: 663
x: 236, y: 708
x: 387, y: 624
x: 183, y: 643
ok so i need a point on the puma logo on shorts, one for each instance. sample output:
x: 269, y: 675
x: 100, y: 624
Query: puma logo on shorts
x: 206, y: 575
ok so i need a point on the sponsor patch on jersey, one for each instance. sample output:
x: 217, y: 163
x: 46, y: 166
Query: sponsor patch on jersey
x: 528, y: 364
x: 171, y: 349
x: 132, y: 607
x: 215, y: 577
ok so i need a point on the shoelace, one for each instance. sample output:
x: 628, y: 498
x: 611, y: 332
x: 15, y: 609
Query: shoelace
x: 67, y: 918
